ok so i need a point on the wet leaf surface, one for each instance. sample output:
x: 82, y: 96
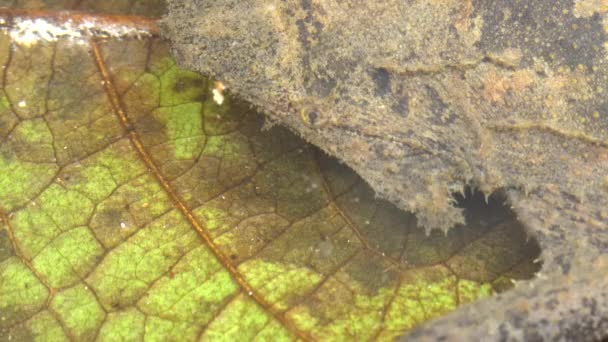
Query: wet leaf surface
x: 133, y: 206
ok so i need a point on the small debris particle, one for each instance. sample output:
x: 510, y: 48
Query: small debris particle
x: 22, y: 104
x: 218, y: 92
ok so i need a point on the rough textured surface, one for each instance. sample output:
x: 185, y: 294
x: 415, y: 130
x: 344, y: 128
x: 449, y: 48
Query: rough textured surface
x: 425, y: 97
x: 133, y: 207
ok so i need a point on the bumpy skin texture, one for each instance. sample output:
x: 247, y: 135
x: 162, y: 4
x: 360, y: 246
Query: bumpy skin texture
x: 424, y: 97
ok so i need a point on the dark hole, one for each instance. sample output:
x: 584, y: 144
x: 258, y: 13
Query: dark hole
x: 486, y: 209
x: 312, y: 117
x: 493, y: 213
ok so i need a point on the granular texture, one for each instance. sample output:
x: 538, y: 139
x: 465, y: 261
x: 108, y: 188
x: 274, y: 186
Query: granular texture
x: 425, y: 97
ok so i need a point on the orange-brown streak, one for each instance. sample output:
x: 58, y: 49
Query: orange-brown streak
x: 178, y: 202
x: 140, y: 23
x: 11, y: 236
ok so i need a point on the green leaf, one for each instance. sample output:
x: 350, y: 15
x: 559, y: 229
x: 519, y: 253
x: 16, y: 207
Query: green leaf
x: 135, y: 207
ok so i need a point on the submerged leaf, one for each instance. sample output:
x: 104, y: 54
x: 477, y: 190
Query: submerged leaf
x: 134, y: 206
x: 423, y: 98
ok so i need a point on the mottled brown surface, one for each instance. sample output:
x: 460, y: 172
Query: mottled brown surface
x: 425, y: 97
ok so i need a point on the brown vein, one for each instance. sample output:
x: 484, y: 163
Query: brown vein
x: 246, y: 288
x: 349, y: 223
x: 11, y: 236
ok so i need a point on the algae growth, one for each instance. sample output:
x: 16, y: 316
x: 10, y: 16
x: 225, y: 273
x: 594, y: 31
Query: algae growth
x: 134, y: 207
x: 423, y: 98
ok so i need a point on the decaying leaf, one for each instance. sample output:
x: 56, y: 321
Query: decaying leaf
x: 133, y: 206
x: 423, y: 98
